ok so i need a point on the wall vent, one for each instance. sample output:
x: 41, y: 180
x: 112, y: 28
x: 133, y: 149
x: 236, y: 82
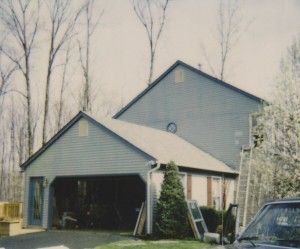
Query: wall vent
x: 83, y: 128
x: 179, y: 76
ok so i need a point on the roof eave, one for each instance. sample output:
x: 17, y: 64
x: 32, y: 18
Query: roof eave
x: 210, y: 171
x: 64, y: 129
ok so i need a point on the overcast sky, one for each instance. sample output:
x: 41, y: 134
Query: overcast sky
x: 120, y: 54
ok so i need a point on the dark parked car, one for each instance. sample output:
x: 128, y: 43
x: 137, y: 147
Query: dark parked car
x: 277, y: 225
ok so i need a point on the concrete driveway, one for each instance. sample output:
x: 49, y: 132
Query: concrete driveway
x: 61, y: 240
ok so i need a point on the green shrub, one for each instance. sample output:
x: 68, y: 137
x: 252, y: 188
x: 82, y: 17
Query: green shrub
x: 171, y: 211
x: 219, y: 229
x: 212, y: 218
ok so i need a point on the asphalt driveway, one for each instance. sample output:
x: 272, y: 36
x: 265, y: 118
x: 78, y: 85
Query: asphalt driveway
x: 68, y: 239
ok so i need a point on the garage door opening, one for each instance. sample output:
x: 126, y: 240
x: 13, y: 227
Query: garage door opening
x: 106, y: 202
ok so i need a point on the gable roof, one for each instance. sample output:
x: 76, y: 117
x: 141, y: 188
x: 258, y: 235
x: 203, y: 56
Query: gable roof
x: 160, y: 145
x: 177, y: 63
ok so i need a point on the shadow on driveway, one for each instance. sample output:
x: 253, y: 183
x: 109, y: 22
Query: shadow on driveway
x: 69, y: 239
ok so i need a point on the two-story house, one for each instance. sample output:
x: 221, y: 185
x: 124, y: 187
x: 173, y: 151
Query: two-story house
x: 114, y: 165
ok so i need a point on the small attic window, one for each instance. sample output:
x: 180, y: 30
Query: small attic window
x: 83, y: 128
x: 179, y: 76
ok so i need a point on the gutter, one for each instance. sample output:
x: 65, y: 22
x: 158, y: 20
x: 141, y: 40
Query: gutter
x: 149, y: 199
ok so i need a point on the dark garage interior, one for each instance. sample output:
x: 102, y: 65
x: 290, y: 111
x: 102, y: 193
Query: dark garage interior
x: 104, y: 202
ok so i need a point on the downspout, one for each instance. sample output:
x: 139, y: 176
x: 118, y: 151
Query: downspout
x: 149, y: 212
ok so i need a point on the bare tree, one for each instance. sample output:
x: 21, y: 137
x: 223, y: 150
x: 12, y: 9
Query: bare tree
x: 13, y: 140
x: 63, y: 85
x: 62, y: 23
x: 2, y: 176
x: 229, y: 28
x: 91, y: 23
x: 152, y: 15
x: 6, y: 70
x: 275, y: 154
x: 20, y: 20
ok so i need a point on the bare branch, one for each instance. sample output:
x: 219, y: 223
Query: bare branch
x: 152, y: 15
x: 84, y: 53
x: 63, y: 21
x: 22, y: 28
x: 229, y: 29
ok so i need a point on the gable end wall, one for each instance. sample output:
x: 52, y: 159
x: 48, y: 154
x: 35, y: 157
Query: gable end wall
x: 213, y: 117
x: 99, y: 153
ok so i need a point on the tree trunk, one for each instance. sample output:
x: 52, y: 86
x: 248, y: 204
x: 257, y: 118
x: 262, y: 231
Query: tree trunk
x: 29, y: 115
x: 46, y: 104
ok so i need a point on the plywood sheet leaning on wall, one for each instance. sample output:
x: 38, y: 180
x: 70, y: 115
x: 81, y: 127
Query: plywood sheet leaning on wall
x: 140, y: 223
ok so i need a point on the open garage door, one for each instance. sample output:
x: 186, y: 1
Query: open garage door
x: 104, y: 202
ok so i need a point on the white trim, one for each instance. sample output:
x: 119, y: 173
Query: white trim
x: 149, y: 196
x: 220, y: 189
x: 184, y: 174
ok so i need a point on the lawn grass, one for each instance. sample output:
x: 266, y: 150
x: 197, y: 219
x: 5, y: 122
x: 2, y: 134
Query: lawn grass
x: 159, y: 244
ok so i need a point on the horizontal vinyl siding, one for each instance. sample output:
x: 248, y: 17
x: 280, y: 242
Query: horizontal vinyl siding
x: 211, y: 116
x: 99, y: 153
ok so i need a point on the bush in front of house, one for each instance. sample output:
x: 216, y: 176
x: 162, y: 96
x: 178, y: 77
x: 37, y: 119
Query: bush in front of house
x: 213, y: 220
x: 171, y: 211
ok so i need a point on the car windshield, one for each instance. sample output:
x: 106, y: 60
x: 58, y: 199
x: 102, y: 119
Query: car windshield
x: 277, y: 224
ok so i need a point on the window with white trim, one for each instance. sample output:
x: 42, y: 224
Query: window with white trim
x: 217, y: 192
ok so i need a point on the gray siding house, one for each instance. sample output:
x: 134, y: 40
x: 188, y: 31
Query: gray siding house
x: 185, y: 115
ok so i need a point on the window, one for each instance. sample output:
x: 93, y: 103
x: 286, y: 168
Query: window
x: 179, y: 76
x: 172, y: 127
x: 217, y: 193
x: 83, y: 128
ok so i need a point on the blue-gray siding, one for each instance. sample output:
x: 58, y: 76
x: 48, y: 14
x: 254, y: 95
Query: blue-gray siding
x: 209, y: 115
x: 100, y: 153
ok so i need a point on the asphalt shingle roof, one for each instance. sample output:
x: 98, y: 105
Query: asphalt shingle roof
x: 160, y: 145
x: 164, y: 146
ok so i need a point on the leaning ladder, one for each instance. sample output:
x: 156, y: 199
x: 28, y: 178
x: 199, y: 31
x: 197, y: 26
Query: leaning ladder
x: 239, y: 178
x: 247, y: 189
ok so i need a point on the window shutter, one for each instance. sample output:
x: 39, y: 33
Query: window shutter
x: 189, y: 187
x: 209, y: 191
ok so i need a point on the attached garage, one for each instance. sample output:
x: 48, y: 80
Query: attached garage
x: 97, y: 173
x: 97, y: 202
